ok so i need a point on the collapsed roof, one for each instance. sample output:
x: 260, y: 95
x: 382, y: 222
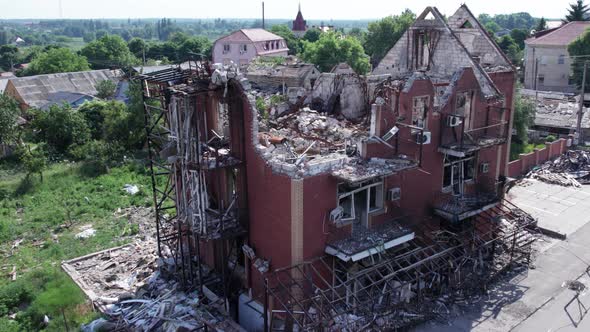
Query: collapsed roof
x: 440, y: 49
x: 38, y: 91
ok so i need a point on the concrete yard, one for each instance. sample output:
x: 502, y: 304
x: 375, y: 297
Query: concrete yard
x: 557, y: 208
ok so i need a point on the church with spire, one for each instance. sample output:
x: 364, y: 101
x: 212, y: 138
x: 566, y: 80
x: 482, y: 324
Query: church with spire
x: 299, y: 25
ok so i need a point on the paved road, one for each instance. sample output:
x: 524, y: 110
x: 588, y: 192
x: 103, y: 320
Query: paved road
x: 535, y: 301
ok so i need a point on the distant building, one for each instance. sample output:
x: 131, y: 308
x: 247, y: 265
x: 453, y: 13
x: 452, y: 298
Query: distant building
x: 299, y: 25
x: 547, y: 62
x: 279, y: 76
x: 244, y: 45
x: 75, y: 88
x: 4, y: 77
x: 323, y: 28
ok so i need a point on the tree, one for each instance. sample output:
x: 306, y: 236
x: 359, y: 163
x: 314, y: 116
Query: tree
x: 383, y: 34
x: 577, y: 12
x: 284, y: 31
x: 519, y: 36
x: 332, y: 49
x: 109, y: 51
x: 492, y: 27
x: 137, y: 46
x: 88, y: 37
x: 580, y: 47
x: 510, y: 48
x: 106, y: 89
x: 542, y: 25
x: 199, y: 45
x: 60, y: 127
x: 57, y: 60
x: 34, y: 160
x: 8, y: 56
x: 312, y: 35
x: 57, y: 297
x: 524, y: 117
x: 9, y: 112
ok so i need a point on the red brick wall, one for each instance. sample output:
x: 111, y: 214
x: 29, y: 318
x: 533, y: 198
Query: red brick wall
x: 526, y: 162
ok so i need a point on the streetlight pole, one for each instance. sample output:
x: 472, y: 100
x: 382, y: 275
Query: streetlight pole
x: 581, y: 108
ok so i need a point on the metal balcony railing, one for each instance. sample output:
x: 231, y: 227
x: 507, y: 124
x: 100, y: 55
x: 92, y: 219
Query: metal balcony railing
x: 457, y: 137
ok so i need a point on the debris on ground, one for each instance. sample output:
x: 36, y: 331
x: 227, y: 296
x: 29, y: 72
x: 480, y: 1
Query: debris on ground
x: 131, y: 189
x: 574, y: 285
x: 570, y: 169
x: 134, y: 287
x: 86, y: 232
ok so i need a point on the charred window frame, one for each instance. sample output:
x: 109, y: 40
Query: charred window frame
x: 464, y: 106
x: 348, y: 199
x: 420, y: 107
x: 458, y: 171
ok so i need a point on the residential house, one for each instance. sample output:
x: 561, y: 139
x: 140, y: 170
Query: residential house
x: 375, y: 191
x: 242, y: 46
x: 42, y: 91
x: 547, y: 61
x: 267, y: 75
x: 4, y: 77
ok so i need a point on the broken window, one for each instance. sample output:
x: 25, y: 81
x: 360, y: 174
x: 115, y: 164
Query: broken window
x: 226, y: 48
x: 456, y: 172
x: 421, y: 49
x: 358, y: 201
x: 463, y: 106
x: 467, y: 25
x: 541, y: 79
x: 243, y: 48
x: 420, y: 110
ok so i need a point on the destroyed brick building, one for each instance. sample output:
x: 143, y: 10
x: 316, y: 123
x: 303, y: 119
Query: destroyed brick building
x: 361, y: 195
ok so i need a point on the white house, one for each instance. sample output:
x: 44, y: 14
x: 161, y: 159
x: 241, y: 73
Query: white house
x: 547, y: 61
x: 244, y: 45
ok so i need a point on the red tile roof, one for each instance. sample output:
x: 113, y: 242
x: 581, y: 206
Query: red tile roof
x: 562, y: 36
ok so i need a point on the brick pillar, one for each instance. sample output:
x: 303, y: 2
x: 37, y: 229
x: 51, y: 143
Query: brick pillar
x: 548, y: 146
x: 296, y: 221
x: 297, y: 234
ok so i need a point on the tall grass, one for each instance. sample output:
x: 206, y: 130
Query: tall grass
x: 46, y: 215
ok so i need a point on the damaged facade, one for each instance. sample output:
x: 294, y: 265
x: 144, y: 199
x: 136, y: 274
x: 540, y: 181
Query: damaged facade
x: 360, y: 197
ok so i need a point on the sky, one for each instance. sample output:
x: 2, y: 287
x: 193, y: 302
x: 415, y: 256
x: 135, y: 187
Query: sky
x: 279, y: 9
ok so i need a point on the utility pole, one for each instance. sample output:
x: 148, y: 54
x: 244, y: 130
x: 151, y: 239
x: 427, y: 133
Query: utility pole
x: 581, y: 109
x: 263, y: 14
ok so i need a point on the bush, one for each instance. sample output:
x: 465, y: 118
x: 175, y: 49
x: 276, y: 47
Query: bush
x: 106, y: 89
x: 550, y: 139
x: 34, y: 160
x: 60, y: 127
x: 98, y: 156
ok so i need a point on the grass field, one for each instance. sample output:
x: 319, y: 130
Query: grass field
x: 38, y: 224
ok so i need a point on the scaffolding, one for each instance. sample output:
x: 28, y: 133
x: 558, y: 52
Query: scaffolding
x: 397, y: 288
x: 185, y: 158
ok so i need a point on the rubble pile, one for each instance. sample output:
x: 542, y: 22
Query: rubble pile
x: 161, y: 306
x: 110, y: 275
x: 136, y: 290
x: 305, y: 127
x: 569, y: 169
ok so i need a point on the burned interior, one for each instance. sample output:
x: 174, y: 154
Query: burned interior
x: 301, y: 200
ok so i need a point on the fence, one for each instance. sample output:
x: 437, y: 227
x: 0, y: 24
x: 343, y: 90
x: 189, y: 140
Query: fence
x: 527, y: 161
